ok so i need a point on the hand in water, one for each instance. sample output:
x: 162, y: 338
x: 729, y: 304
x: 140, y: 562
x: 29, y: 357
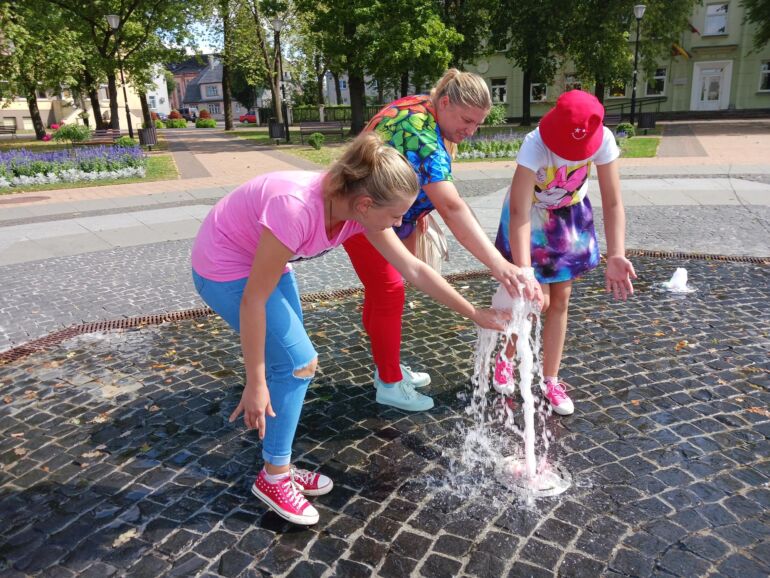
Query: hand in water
x: 520, y: 281
x: 491, y: 319
x: 618, y: 277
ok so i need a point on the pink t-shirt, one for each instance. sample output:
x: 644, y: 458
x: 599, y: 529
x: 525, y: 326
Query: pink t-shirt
x: 289, y: 203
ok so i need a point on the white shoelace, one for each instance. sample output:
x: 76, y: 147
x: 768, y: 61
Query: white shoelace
x: 407, y: 389
x: 305, y: 477
x: 295, y: 497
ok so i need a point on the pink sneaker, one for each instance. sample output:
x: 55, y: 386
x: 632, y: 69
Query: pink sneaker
x: 560, y: 401
x: 311, y: 483
x: 285, y: 499
x: 503, y: 375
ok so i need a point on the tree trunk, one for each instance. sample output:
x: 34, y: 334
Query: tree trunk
x: 320, y: 88
x: 275, y: 91
x: 337, y: 88
x: 228, y: 98
x: 226, y: 90
x: 526, y: 114
x: 93, y: 95
x: 34, y: 112
x: 112, y: 89
x: 599, y: 91
x: 146, y: 116
x: 380, y: 92
x: 357, y: 88
x: 404, y: 84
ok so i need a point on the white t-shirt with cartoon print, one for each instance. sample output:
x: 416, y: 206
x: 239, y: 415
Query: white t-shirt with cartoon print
x: 559, y: 182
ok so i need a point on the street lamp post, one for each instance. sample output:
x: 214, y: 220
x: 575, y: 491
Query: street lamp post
x: 114, y: 21
x: 278, y: 25
x: 638, y: 13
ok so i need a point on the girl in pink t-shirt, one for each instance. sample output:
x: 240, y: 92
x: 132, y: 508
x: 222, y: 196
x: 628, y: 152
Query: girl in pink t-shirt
x: 240, y: 269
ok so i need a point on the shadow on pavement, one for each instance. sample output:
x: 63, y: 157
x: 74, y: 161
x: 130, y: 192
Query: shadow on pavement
x: 117, y: 456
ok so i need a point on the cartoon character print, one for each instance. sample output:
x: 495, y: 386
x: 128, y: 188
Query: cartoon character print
x: 561, y: 188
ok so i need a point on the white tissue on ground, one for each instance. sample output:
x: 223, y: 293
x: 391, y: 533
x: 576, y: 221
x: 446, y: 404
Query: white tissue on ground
x: 678, y: 282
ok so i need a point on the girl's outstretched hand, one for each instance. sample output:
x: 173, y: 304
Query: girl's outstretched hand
x: 255, y: 403
x: 491, y: 319
x: 519, y: 282
x: 618, y: 277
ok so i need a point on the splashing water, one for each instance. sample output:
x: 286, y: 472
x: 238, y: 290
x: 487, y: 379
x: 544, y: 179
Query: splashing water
x: 488, y: 444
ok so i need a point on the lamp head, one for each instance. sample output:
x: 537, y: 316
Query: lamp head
x: 277, y: 24
x: 113, y: 20
x: 639, y: 11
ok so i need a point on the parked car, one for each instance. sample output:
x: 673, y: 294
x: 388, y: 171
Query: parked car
x: 189, y: 113
x: 250, y: 116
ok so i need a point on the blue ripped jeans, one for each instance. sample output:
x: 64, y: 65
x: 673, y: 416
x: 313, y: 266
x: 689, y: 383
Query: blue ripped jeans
x: 287, y: 349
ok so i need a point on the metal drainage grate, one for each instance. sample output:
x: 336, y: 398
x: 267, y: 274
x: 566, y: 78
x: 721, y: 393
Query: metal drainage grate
x: 53, y: 339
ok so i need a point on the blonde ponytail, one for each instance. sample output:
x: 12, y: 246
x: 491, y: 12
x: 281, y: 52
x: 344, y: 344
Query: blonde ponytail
x: 463, y: 89
x: 369, y: 167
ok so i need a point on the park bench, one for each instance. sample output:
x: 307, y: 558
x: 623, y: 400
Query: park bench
x: 102, y: 136
x: 328, y: 127
x: 8, y: 130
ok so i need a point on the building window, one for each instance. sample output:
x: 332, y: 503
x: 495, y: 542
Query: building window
x: 9, y: 122
x: 103, y: 95
x: 26, y: 122
x: 212, y: 91
x: 716, y: 19
x: 498, y: 90
x: 538, y: 92
x: 656, y: 85
x: 343, y: 84
x: 617, y: 90
x: 214, y: 109
x: 764, y: 76
x: 152, y: 102
x: 572, y: 83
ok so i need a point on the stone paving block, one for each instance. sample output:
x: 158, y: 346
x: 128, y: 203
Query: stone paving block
x: 669, y: 458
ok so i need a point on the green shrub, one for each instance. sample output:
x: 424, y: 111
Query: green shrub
x: 126, y: 141
x: 72, y: 133
x: 159, y: 124
x: 316, y: 140
x: 175, y: 123
x: 627, y: 128
x: 205, y: 123
x: 496, y: 115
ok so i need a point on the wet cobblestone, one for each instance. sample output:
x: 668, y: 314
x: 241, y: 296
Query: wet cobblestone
x: 116, y: 457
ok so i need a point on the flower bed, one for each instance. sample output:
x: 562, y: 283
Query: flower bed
x: 496, y: 146
x: 23, y: 167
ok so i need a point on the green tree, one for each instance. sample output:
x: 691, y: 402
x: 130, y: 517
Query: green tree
x: 758, y: 13
x: 472, y: 19
x: 37, y: 53
x: 531, y: 35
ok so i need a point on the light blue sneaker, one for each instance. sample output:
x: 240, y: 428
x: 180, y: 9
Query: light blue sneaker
x: 403, y: 396
x: 415, y: 378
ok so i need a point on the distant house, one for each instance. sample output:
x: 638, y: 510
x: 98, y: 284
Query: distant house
x: 184, y: 73
x: 204, y: 92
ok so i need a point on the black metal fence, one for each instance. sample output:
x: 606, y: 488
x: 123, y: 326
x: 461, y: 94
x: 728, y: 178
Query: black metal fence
x: 312, y: 114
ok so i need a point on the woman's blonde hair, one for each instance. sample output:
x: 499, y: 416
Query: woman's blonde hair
x: 463, y: 89
x: 369, y: 167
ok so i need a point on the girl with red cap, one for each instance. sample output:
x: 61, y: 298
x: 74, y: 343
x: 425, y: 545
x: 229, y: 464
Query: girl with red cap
x: 547, y: 223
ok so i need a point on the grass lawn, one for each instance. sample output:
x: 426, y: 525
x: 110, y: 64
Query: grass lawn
x: 260, y: 136
x: 639, y: 147
x: 160, y: 167
x: 324, y: 157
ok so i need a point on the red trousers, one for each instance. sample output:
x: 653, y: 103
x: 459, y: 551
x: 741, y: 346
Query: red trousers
x: 383, y: 304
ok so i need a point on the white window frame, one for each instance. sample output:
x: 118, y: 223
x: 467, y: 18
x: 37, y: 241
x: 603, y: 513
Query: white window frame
x: 764, y: 73
x: 625, y: 91
x: 532, y: 86
x: 496, y: 85
x: 212, y: 90
x: 655, y: 77
x: 152, y: 101
x: 715, y: 15
x: 214, y: 108
x: 10, y: 122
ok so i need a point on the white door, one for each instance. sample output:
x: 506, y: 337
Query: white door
x: 711, y: 85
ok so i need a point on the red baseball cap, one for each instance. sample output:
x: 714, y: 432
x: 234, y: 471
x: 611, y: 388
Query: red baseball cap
x: 573, y: 128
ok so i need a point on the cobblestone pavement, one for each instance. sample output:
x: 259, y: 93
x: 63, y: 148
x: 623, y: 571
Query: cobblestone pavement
x: 52, y: 294
x: 116, y: 457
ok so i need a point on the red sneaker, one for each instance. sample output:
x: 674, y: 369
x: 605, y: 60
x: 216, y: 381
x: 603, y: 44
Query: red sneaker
x: 285, y: 499
x: 503, y: 382
x: 311, y: 483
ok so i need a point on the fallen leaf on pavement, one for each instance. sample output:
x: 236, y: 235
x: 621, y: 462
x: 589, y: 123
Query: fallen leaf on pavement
x: 124, y: 538
x: 759, y: 410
